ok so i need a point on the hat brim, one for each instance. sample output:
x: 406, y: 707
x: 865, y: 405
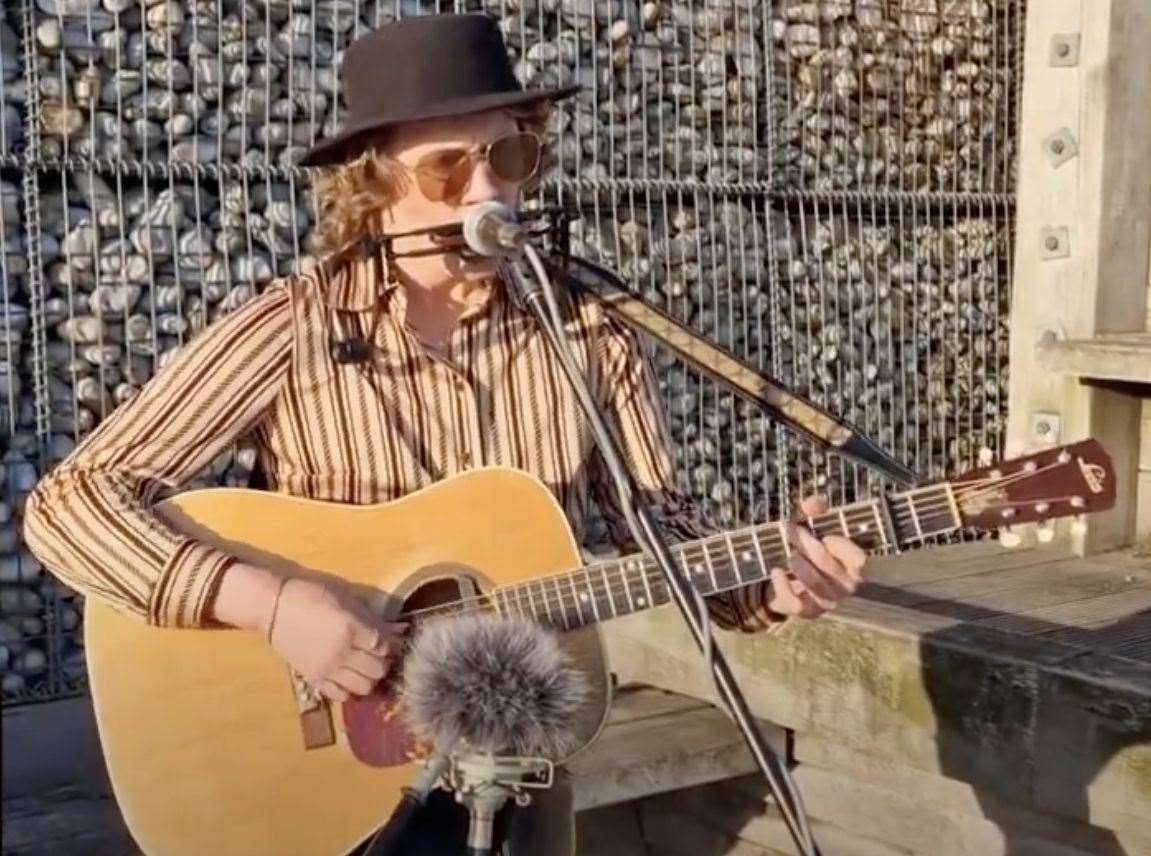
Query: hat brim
x: 333, y: 149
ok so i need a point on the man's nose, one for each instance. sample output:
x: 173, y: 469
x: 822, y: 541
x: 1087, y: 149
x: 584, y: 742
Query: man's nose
x: 483, y: 187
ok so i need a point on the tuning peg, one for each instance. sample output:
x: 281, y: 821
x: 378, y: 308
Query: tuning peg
x: 1009, y: 538
x: 1079, y: 525
x: 1045, y: 532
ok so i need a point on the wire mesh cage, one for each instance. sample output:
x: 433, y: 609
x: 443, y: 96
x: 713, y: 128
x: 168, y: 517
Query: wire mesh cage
x: 823, y: 187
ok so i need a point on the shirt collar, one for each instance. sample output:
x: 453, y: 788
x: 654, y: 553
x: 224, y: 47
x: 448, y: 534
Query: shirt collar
x: 357, y: 277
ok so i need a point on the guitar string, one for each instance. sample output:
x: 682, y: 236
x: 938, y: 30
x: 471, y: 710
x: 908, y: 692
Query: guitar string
x: 621, y: 584
x: 618, y: 586
x: 622, y: 578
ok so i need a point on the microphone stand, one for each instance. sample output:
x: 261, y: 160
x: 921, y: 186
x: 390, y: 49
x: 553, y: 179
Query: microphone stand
x: 540, y: 298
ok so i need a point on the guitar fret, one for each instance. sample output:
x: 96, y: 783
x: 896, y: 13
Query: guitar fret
x: 734, y: 559
x: 783, y: 540
x: 763, y: 564
x: 607, y: 588
x: 843, y: 523
x: 710, y: 565
x: 576, y: 601
x: 646, y: 584
x: 552, y: 603
x: 957, y: 518
x: 592, y: 595
x: 915, y: 517
x: 531, y: 601
x: 626, y: 586
x: 697, y: 569
x: 562, y: 605
x: 878, y: 515
x: 547, y: 602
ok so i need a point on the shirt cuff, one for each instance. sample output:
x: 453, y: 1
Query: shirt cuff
x: 187, y: 587
x: 746, y: 610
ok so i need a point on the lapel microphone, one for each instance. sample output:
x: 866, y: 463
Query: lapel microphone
x: 355, y: 349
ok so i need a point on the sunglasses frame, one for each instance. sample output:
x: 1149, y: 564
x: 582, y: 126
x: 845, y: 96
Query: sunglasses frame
x: 473, y: 158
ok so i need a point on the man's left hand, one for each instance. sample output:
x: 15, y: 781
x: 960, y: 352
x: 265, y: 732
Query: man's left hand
x: 821, y: 571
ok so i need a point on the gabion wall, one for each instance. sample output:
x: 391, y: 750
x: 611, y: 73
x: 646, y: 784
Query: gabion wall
x: 824, y: 187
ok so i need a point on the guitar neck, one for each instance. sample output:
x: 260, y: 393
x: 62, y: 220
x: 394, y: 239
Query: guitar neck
x: 724, y: 561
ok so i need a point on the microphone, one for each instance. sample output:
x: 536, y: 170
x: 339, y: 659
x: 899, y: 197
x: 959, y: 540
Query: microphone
x: 503, y: 695
x: 496, y: 685
x: 491, y: 229
x: 356, y: 349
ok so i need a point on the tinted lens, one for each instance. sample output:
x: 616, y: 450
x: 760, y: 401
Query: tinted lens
x: 457, y: 182
x: 515, y: 157
x: 438, y: 171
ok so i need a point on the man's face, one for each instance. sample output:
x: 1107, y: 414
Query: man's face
x: 426, y: 146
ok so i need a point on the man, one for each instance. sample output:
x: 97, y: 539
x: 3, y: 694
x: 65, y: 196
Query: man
x: 455, y: 376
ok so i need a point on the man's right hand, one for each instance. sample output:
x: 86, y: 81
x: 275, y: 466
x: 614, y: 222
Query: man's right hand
x: 333, y: 640
x: 324, y: 632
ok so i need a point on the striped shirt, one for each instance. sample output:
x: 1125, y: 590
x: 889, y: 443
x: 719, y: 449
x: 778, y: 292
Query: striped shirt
x: 352, y: 433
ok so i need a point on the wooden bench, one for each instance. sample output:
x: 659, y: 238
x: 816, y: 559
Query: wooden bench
x: 970, y: 700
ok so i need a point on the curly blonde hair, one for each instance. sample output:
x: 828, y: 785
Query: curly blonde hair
x: 350, y: 195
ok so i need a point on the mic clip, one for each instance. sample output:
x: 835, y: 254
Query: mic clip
x: 353, y: 350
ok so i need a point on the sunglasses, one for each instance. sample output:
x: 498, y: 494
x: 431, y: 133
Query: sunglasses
x: 444, y: 174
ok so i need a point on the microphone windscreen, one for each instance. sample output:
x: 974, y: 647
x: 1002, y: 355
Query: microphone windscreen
x: 501, y: 685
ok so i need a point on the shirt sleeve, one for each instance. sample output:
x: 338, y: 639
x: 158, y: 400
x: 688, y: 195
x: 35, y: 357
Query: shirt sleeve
x: 628, y: 386
x: 88, y: 519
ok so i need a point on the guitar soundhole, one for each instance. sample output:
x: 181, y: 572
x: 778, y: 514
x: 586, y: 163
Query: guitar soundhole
x: 433, y: 593
x: 376, y: 731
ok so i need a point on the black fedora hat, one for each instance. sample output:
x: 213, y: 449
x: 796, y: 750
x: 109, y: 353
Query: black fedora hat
x: 424, y: 67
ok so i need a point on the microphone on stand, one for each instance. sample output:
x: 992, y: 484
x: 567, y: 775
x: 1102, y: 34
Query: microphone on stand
x: 491, y: 229
x: 503, y: 695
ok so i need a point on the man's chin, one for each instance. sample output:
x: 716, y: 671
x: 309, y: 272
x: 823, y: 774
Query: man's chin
x: 470, y: 266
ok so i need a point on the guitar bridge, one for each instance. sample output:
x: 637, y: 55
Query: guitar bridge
x: 315, y: 714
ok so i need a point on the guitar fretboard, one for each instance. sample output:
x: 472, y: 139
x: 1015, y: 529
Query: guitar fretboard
x: 722, y: 562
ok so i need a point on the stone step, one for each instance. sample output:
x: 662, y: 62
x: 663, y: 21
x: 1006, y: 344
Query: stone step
x: 658, y: 741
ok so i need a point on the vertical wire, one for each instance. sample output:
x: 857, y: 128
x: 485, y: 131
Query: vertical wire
x: 224, y: 243
x: 774, y: 357
x: 30, y: 200
x: 201, y: 243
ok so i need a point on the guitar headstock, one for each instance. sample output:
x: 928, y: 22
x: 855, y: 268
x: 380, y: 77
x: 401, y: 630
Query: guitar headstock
x: 1057, y: 482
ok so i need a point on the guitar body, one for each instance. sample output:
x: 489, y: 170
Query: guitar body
x: 201, y: 729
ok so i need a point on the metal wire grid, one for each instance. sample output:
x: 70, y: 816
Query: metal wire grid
x: 825, y: 187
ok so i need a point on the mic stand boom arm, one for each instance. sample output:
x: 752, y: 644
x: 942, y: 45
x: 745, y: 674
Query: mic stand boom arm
x: 539, y: 297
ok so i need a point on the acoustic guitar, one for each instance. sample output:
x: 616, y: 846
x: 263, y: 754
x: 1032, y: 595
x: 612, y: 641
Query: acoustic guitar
x: 214, y: 746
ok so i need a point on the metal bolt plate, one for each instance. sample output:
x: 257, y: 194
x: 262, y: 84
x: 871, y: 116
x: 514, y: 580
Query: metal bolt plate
x: 1054, y: 242
x: 1046, y: 427
x: 1064, y: 49
x: 1060, y: 147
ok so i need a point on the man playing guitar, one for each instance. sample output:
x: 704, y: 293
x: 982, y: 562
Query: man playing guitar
x: 457, y: 377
